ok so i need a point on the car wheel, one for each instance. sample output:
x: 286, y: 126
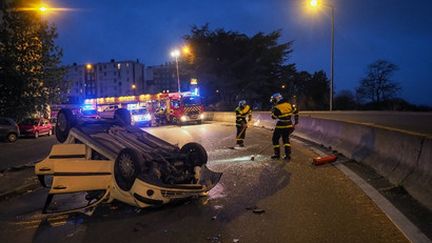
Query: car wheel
x: 174, y: 121
x: 126, y: 168
x: 12, y: 137
x: 36, y: 134
x: 123, y: 115
x: 195, y: 153
x: 65, y: 121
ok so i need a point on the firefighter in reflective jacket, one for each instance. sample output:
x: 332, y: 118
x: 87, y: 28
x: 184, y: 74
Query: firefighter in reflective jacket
x: 243, y: 115
x: 282, y: 112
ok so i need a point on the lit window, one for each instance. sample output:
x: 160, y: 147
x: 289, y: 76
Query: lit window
x: 118, y: 65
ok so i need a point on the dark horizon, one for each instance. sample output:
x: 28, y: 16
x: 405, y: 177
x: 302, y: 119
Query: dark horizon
x: 365, y: 31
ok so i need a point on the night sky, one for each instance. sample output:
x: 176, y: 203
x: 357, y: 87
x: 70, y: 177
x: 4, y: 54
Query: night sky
x: 396, y: 30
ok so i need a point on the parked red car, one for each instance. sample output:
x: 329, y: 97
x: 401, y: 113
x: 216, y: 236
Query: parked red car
x: 35, y: 127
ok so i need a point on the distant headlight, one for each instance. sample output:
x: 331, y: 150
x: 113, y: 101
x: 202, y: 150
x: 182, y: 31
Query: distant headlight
x: 183, y: 118
x: 137, y: 118
x: 147, y: 117
x: 201, y: 116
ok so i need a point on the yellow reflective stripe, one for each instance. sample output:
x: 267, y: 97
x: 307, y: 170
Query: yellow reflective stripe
x: 276, y: 146
x: 288, y: 126
x: 286, y: 115
x: 284, y: 108
x: 245, y: 110
x: 287, y: 145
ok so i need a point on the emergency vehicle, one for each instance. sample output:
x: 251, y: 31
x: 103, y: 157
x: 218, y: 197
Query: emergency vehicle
x: 182, y: 108
x: 175, y: 108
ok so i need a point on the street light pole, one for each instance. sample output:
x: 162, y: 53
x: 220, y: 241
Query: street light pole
x: 332, y: 58
x: 176, y: 53
x: 178, y: 76
x: 315, y: 4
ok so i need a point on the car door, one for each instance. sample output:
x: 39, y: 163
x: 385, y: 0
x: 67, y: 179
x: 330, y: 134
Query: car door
x: 46, y: 126
x: 77, y: 182
x: 39, y: 126
x: 4, y: 127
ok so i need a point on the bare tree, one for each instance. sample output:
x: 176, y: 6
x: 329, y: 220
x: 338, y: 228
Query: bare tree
x: 378, y: 85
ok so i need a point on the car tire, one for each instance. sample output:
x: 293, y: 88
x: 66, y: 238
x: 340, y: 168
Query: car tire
x: 174, y: 121
x: 195, y: 154
x: 65, y: 121
x: 126, y: 168
x: 36, y: 134
x: 12, y: 137
x: 123, y: 115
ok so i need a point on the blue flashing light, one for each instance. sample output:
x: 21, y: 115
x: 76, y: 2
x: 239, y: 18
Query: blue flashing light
x: 132, y: 106
x: 87, y: 107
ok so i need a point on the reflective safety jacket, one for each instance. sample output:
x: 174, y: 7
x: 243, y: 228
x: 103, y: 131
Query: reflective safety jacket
x: 242, y: 112
x: 283, y: 112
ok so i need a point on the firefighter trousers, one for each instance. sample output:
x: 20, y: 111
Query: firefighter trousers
x: 284, y: 133
x: 241, y: 132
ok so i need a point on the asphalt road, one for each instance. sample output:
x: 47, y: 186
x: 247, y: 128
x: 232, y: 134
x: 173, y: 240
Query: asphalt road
x: 302, y: 203
x: 418, y: 122
x: 25, y: 150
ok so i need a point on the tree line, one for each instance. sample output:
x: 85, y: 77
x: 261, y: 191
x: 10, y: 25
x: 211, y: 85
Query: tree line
x: 377, y: 90
x: 31, y: 77
x: 233, y: 66
x: 229, y: 65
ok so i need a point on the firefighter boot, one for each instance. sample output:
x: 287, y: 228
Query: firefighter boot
x: 287, y: 153
x: 276, y: 153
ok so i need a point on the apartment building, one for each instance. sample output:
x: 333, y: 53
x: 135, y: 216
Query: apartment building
x: 105, y: 79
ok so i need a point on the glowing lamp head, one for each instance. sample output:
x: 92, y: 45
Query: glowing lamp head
x: 186, y: 50
x: 43, y: 9
x: 313, y: 3
x: 89, y: 66
x: 175, y: 53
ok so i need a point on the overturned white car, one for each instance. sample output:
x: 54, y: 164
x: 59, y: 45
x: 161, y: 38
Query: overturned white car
x: 105, y: 159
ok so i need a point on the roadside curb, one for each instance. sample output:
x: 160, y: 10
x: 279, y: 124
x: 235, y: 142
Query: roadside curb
x: 19, y: 190
x: 31, y: 184
x: 19, y: 167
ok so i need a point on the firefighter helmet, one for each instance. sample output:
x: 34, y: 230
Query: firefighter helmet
x: 242, y: 102
x: 276, y: 97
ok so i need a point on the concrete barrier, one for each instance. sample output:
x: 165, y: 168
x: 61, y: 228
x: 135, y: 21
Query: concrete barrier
x: 403, y: 158
x: 419, y: 183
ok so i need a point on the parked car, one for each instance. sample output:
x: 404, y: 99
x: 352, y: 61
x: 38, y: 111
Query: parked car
x: 35, y: 127
x: 89, y: 113
x: 9, y: 129
x: 108, y: 112
x: 102, y: 160
x: 141, y: 117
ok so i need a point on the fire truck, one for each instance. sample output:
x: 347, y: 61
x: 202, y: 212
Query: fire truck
x: 185, y: 107
x: 174, y: 108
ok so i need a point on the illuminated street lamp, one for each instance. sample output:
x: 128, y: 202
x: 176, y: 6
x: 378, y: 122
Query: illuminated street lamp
x: 176, y: 53
x: 315, y: 4
x: 186, y: 50
x: 133, y: 88
x: 42, y: 9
